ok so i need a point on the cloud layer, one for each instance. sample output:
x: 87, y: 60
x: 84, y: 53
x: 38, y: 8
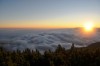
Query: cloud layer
x: 42, y: 40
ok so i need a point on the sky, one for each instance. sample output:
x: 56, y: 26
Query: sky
x: 48, y: 13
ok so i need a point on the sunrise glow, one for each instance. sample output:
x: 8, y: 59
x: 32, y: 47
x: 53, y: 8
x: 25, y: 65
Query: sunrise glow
x: 88, y: 26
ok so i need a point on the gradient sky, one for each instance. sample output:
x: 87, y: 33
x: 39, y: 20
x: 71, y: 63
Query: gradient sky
x: 48, y: 13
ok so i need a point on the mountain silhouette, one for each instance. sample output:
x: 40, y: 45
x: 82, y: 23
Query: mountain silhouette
x: 97, y: 44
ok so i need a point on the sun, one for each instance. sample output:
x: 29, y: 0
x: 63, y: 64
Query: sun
x: 88, y: 26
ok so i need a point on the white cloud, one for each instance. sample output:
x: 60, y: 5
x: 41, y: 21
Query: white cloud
x: 44, y: 39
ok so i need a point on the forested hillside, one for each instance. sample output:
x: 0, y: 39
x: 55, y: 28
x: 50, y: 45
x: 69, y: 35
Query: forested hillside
x: 87, y: 56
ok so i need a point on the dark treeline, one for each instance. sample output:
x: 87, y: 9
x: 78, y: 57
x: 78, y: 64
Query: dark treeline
x: 88, y: 56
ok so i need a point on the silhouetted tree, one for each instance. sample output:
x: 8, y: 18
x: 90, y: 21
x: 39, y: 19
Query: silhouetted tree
x: 87, y: 56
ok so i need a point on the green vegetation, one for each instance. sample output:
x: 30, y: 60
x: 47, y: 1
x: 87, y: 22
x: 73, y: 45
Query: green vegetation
x: 88, y: 56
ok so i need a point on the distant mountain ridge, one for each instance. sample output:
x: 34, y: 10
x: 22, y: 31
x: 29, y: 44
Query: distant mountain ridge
x: 97, y: 44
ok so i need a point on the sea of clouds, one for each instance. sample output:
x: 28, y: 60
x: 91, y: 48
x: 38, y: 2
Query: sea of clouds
x: 13, y: 39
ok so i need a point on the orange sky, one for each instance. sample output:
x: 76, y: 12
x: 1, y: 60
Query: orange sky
x: 43, y: 24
